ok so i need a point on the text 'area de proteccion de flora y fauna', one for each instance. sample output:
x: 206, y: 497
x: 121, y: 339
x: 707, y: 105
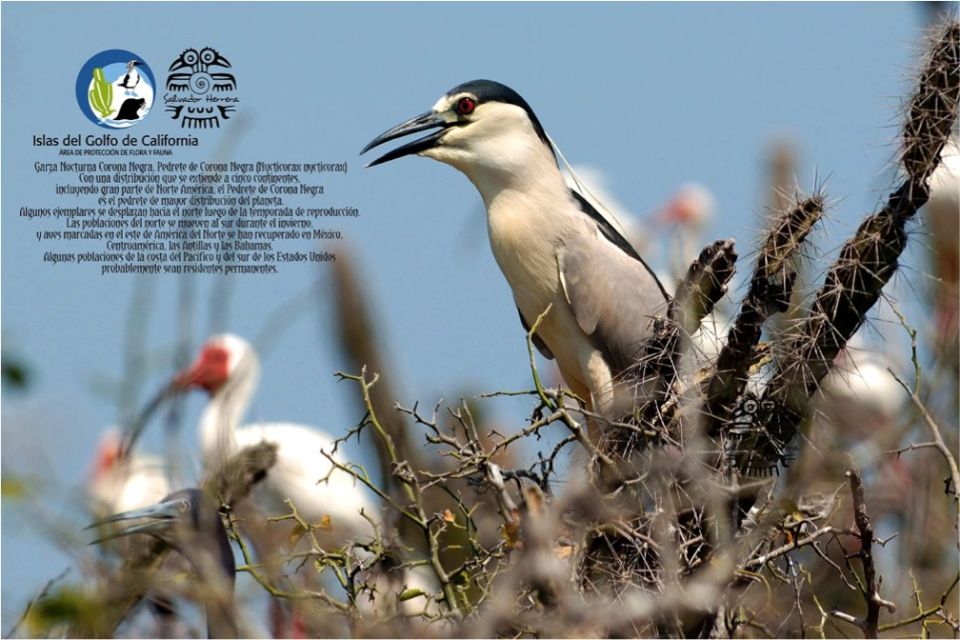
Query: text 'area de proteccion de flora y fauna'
x: 135, y: 216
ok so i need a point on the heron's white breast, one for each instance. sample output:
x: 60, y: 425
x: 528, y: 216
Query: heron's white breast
x: 525, y: 235
x: 524, y: 241
x: 530, y: 216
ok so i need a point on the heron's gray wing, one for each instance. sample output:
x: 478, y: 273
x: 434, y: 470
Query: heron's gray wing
x: 613, y: 294
x: 608, y: 231
x: 537, y: 340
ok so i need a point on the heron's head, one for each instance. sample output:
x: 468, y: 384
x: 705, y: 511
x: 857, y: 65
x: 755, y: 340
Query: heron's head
x: 132, y: 64
x: 479, y: 125
x: 223, y: 359
x: 186, y: 509
x: 187, y: 520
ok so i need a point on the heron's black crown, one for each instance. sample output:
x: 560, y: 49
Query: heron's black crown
x: 492, y: 91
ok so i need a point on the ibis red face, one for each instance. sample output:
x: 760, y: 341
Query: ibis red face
x: 208, y: 372
x: 109, y: 452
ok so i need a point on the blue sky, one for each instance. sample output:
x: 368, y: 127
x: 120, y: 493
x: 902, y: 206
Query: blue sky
x: 653, y: 95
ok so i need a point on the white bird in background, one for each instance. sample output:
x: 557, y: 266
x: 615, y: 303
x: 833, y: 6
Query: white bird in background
x: 942, y: 215
x: 862, y: 403
x: 228, y: 369
x: 688, y: 212
x: 944, y: 202
x: 692, y: 206
x: 121, y: 482
x: 861, y: 389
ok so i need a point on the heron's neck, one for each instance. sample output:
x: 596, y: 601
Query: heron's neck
x: 537, y: 181
x: 220, y: 622
x: 531, y: 173
x: 221, y: 617
x: 222, y: 416
x: 212, y: 559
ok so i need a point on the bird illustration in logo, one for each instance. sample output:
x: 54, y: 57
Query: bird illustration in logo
x: 132, y: 79
x: 199, y: 73
x: 191, y: 72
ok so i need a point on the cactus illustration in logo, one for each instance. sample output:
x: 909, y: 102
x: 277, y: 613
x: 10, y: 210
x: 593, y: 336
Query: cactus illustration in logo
x: 101, y: 94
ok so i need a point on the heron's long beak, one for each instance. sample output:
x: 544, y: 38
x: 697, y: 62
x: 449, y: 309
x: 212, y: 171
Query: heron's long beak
x: 154, y: 519
x: 424, y: 121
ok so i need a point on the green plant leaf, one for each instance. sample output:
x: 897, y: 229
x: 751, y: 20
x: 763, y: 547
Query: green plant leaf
x: 101, y: 94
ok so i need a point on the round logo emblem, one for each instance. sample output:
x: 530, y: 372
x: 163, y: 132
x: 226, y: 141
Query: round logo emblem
x: 115, y: 89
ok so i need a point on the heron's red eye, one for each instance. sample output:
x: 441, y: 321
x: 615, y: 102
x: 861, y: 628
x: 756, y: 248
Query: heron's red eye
x: 465, y: 106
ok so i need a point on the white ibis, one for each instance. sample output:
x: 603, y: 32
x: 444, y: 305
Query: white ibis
x: 862, y: 386
x: 944, y: 203
x: 692, y: 205
x: 122, y: 480
x: 189, y: 522
x: 688, y: 211
x: 861, y: 394
x: 228, y: 369
x: 942, y: 214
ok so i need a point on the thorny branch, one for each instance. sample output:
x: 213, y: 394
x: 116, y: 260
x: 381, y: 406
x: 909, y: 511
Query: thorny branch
x: 771, y: 287
x: 871, y: 592
x: 938, y: 442
x: 867, y: 261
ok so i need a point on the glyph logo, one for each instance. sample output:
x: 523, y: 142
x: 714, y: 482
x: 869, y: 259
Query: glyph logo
x: 115, y: 89
x: 201, y: 92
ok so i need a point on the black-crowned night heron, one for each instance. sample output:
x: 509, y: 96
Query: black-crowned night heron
x: 552, y: 245
x: 189, y: 522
